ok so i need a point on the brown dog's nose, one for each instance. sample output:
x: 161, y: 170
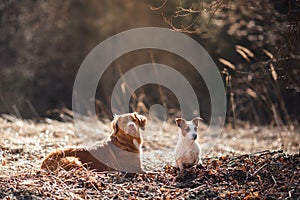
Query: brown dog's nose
x: 131, y: 125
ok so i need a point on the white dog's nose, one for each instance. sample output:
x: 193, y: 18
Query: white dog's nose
x: 194, y: 136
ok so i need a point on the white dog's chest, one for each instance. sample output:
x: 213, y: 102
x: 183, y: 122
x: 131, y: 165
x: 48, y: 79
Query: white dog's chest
x: 187, y: 154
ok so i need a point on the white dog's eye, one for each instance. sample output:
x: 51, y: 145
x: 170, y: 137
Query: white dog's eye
x: 187, y: 129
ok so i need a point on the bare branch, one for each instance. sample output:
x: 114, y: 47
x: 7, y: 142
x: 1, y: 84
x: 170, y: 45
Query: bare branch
x: 159, y: 7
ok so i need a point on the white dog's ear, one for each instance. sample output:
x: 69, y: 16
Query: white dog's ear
x: 196, y: 121
x: 179, y: 122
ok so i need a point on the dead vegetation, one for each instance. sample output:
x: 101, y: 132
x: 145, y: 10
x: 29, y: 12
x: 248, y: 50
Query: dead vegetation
x: 229, y: 171
x: 265, y: 175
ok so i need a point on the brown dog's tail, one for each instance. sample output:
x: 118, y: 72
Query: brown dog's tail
x: 66, y: 159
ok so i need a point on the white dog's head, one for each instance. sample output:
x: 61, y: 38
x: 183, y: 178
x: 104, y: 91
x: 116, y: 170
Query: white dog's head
x: 188, y: 128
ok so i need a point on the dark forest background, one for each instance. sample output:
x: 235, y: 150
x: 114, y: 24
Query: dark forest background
x: 255, y: 44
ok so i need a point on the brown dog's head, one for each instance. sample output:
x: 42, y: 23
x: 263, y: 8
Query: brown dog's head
x: 129, y: 123
x: 126, y: 130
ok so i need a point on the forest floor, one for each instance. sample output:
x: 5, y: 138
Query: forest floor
x: 248, y: 162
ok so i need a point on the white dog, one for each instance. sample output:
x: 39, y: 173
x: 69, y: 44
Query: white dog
x: 187, y: 151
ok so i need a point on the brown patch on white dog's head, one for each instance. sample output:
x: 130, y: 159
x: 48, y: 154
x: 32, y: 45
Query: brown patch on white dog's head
x: 181, y: 123
x: 196, y: 121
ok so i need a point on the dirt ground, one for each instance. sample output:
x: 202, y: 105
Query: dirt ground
x: 24, y: 144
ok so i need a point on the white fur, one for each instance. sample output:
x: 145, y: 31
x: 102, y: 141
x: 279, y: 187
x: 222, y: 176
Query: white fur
x: 187, y: 150
x: 136, y: 144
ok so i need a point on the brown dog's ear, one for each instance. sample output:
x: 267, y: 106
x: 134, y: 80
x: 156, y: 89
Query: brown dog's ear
x: 196, y: 121
x: 114, y: 124
x: 179, y: 122
x: 141, y: 119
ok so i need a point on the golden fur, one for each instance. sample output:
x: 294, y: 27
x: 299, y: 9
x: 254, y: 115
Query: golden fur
x: 121, y: 152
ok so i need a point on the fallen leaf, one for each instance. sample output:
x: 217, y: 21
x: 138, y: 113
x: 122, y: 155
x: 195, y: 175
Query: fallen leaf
x: 244, y: 49
x: 268, y: 53
x: 227, y: 63
x: 243, y: 54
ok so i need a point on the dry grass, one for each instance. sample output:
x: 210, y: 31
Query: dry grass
x: 23, y: 145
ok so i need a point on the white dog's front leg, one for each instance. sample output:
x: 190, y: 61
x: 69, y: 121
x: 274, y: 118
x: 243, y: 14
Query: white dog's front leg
x: 200, y: 160
x: 180, y: 166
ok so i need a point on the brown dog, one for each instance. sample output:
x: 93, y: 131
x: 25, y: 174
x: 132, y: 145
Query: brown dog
x: 122, y: 152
